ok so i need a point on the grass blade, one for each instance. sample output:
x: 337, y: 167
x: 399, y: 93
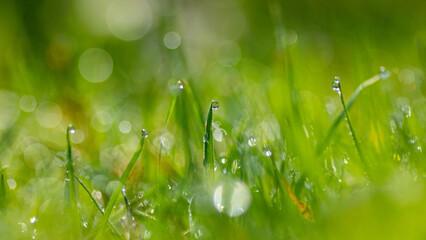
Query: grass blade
x: 337, y: 87
x: 70, y: 191
x: 384, y: 74
x: 117, y: 190
x: 169, y: 114
x: 208, y: 139
x: 2, y: 190
x: 96, y: 204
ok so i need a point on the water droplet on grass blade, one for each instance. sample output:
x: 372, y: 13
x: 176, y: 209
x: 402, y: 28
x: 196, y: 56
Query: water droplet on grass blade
x: 384, y: 73
x: 215, y: 105
x: 335, y: 85
x: 252, y: 142
x: 180, y: 84
x: 144, y: 133
x: 267, y: 150
x: 71, y: 129
x: 33, y: 220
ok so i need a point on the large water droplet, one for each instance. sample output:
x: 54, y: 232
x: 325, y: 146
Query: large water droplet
x: 252, y: 142
x: 384, y: 73
x: 144, y: 133
x: 232, y: 198
x: 33, y: 220
x: 336, y: 84
x: 215, y: 105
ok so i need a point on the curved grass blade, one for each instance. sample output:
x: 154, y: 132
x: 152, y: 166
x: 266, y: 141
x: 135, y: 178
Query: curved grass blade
x: 169, y: 114
x: 337, y: 87
x: 302, y: 207
x: 321, y: 147
x: 97, y: 205
x: 117, y: 190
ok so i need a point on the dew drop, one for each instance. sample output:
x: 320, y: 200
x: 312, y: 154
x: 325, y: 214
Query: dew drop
x: 223, y: 160
x: 215, y: 105
x: 144, y: 133
x: 180, y: 84
x: 235, y: 166
x: 384, y: 73
x: 252, y: 142
x: 407, y: 111
x: 232, y: 198
x: 71, y: 129
x: 267, y: 150
x: 336, y: 84
x: 33, y: 220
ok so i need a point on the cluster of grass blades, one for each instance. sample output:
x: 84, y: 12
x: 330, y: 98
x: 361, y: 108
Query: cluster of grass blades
x: 70, y: 191
x: 229, y: 186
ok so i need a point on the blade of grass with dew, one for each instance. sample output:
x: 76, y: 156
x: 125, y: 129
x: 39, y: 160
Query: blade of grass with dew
x: 321, y: 147
x: 123, y: 179
x: 69, y: 174
x: 169, y: 114
x: 70, y: 191
x: 337, y: 87
x: 208, y: 140
x: 129, y: 217
x: 96, y: 204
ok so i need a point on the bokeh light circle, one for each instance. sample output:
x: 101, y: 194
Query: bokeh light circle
x: 129, y: 19
x: 95, y: 65
x: 48, y: 114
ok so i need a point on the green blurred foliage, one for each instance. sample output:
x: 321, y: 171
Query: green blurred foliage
x: 111, y: 68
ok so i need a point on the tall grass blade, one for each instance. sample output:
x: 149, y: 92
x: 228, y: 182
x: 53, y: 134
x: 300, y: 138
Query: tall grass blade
x: 122, y: 183
x: 70, y: 191
x: 69, y: 174
x: 337, y: 87
x: 97, y: 205
x: 208, y: 140
x: 321, y: 147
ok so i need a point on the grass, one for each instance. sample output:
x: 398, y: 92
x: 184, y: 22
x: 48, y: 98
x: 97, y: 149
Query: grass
x: 283, y: 157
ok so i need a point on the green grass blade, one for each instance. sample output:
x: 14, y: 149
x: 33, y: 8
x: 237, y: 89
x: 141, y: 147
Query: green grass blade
x: 208, y: 140
x: 88, y: 193
x: 348, y: 118
x: 96, y: 204
x: 2, y: 190
x: 341, y: 114
x: 70, y: 190
x: 117, y: 190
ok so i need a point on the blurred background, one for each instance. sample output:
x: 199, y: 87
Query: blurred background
x: 110, y: 68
